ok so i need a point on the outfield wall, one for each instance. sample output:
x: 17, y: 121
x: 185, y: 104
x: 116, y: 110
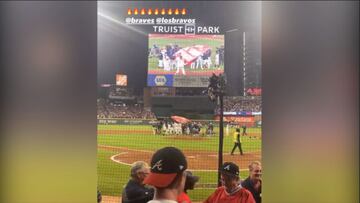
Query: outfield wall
x: 118, y: 121
x: 255, y: 122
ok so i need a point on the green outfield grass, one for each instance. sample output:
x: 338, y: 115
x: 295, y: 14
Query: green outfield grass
x: 113, y: 176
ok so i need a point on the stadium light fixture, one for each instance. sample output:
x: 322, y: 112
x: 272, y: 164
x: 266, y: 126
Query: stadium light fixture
x: 244, y: 64
x: 232, y: 30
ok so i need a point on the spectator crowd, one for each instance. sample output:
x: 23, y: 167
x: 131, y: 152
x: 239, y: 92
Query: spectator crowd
x: 107, y: 109
x: 237, y: 104
x: 167, y: 180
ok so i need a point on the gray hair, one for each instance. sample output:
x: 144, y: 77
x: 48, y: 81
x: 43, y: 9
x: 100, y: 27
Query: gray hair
x: 137, y: 166
x: 253, y: 164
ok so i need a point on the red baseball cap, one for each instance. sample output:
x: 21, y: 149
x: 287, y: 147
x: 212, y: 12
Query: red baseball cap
x: 166, y: 163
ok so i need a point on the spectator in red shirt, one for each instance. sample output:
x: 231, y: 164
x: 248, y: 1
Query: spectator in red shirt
x: 189, y: 185
x: 231, y: 191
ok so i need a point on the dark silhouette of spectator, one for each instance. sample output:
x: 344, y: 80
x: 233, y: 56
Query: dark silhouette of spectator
x: 99, y: 197
x: 189, y: 185
x: 135, y: 190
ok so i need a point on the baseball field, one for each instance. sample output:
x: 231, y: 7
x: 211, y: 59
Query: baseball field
x: 121, y: 145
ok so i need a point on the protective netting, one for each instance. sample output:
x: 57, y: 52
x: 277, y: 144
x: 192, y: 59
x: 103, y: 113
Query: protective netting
x: 121, y: 142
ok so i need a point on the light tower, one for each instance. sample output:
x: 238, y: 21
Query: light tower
x: 244, y: 64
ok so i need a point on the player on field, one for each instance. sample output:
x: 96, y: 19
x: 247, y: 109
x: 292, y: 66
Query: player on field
x: 180, y: 65
x: 237, y: 142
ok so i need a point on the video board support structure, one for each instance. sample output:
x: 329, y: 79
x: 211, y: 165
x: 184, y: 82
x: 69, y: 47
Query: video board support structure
x: 216, y: 91
x: 221, y: 137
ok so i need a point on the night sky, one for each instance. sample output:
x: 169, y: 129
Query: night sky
x: 124, y: 50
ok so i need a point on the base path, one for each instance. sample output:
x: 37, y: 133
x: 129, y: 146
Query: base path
x: 197, y: 160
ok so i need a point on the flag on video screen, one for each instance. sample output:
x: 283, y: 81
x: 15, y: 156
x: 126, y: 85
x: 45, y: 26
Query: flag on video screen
x: 189, y: 54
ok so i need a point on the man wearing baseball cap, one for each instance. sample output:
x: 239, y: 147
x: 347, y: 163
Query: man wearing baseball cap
x: 167, y: 174
x: 231, y: 191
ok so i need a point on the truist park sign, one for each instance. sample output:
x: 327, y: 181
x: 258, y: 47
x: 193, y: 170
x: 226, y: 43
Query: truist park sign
x: 168, y: 21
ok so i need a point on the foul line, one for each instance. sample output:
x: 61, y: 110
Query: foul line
x: 124, y: 148
x: 147, y: 151
x: 112, y: 158
x: 117, y: 161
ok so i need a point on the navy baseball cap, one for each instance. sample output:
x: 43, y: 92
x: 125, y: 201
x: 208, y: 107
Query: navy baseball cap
x: 229, y: 168
x: 190, y: 180
x: 166, y: 163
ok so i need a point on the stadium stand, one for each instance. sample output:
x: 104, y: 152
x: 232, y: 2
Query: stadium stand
x: 237, y: 104
x: 108, y: 109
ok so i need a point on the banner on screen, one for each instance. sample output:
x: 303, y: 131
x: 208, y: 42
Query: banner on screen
x: 160, y: 80
x: 190, y: 59
x: 191, y: 81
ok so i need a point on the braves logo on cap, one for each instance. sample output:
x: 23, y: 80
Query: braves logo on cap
x: 166, y: 164
x: 158, y: 165
x: 230, y: 168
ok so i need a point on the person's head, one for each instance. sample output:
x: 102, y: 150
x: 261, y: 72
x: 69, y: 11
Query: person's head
x: 255, y: 170
x: 237, y: 130
x: 99, y: 196
x: 167, y: 170
x: 190, y: 181
x: 139, y: 171
x: 230, y: 175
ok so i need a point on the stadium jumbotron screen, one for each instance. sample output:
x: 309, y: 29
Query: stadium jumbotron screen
x: 178, y: 60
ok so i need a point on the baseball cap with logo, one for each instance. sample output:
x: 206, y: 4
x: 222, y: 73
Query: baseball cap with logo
x: 229, y: 168
x: 166, y: 163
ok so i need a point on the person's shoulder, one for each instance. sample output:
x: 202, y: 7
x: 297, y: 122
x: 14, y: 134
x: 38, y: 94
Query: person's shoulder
x: 220, y: 189
x: 129, y: 183
x: 244, y: 192
x: 246, y: 182
x: 215, y: 194
x: 161, y: 201
x: 154, y: 201
x: 133, y: 187
x: 183, y: 197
